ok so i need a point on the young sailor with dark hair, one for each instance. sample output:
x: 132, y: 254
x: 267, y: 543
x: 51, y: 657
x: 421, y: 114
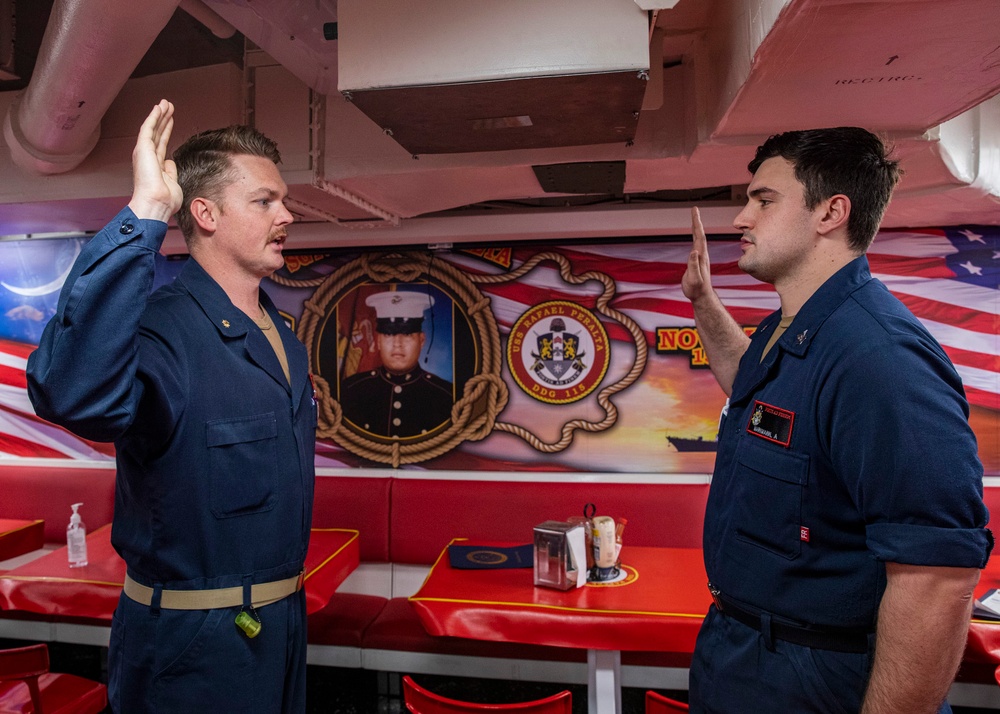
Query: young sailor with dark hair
x: 845, y: 525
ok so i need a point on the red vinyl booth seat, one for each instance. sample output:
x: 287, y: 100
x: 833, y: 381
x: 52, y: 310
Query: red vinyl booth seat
x: 344, y: 620
x: 398, y: 628
x: 362, y: 504
x: 428, y: 513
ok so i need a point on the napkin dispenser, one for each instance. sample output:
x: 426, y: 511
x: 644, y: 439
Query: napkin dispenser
x: 560, y: 555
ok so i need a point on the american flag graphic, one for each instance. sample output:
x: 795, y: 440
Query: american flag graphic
x: 948, y: 277
x: 22, y: 434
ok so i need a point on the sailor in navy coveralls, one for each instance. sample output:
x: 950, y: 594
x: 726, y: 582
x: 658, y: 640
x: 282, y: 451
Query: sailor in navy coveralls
x: 205, y: 393
x: 845, y: 526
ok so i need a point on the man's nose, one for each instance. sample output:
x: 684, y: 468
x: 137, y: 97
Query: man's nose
x: 742, y: 220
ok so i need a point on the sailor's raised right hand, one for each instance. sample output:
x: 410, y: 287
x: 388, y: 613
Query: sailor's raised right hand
x: 155, y: 192
x: 697, y: 280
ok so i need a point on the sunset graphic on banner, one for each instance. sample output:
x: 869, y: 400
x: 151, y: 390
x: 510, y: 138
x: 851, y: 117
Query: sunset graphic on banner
x: 949, y: 278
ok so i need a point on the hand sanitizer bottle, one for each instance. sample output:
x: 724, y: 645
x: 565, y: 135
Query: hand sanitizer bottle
x: 76, y: 539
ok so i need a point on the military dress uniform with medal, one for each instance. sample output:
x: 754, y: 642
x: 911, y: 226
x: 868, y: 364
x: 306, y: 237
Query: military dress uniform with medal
x: 398, y: 399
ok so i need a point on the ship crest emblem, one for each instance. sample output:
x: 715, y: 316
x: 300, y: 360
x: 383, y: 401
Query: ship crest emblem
x: 558, y: 352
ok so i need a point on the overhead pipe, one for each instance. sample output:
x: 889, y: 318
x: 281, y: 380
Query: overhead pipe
x: 90, y: 49
x: 208, y: 17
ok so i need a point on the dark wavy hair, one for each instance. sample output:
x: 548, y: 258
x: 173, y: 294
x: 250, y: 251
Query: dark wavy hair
x: 204, y: 167
x: 844, y: 160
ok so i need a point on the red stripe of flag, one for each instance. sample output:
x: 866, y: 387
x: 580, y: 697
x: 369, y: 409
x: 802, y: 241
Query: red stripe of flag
x: 101, y: 447
x: 13, y: 377
x: 16, y: 446
x: 948, y: 314
x: 968, y: 358
x: 909, y: 266
x: 982, y: 398
x: 18, y: 349
x: 682, y: 308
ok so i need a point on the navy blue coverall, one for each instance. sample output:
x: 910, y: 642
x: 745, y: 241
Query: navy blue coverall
x: 215, y: 471
x: 847, y: 447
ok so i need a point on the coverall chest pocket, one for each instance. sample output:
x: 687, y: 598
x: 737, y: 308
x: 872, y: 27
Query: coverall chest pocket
x: 770, y: 498
x: 242, y: 456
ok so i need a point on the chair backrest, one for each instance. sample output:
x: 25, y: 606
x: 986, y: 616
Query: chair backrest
x: 22, y: 662
x: 26, y: 664
x: 58, y: 692
x: 656, y: 703
x: 421, y: 701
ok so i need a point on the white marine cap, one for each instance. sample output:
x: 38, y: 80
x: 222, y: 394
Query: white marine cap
x: 399, y: 311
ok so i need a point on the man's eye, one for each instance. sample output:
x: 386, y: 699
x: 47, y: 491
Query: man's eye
x: 265, y: 202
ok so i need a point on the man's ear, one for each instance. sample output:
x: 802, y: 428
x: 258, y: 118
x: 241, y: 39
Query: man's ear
x: 836, y: 211
x: 205, y: 214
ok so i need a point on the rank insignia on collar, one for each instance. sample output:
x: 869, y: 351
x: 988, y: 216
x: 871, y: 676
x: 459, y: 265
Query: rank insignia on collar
x: 225, y: 323
x: 801, y: 337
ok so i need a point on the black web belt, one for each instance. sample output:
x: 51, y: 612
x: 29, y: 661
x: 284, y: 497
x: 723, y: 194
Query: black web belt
x: 822, y: 638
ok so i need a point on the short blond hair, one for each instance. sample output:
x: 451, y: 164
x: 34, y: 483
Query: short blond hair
x: 204, y: 166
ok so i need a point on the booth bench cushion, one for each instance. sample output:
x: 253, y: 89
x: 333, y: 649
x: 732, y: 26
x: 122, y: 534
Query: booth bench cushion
x: 398, y: 628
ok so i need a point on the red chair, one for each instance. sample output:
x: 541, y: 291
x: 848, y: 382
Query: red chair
x: 658, y: 704
x: 26, y: 685
x: 420, y: 701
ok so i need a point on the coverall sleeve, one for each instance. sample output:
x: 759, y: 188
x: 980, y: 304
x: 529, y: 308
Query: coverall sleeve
x: 83, y: 374
x: 910, y: 456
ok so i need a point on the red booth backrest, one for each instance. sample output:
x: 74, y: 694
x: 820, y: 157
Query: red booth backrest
x: 360, y: 503
x: 31, y: 492
x: 428, y: 513
x: 43, y: 492
x: 408, y: 520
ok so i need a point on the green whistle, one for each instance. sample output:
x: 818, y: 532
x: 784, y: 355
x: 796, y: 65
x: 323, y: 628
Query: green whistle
x: 250, y: 626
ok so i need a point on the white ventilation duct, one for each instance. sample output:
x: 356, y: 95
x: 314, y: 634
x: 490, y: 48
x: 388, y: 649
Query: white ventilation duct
x: 790, y: 64
x: 454, y: 76
x: 89, y: 50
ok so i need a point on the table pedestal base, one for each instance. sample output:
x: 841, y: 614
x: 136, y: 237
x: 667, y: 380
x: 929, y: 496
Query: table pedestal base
x: 604, y: 676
